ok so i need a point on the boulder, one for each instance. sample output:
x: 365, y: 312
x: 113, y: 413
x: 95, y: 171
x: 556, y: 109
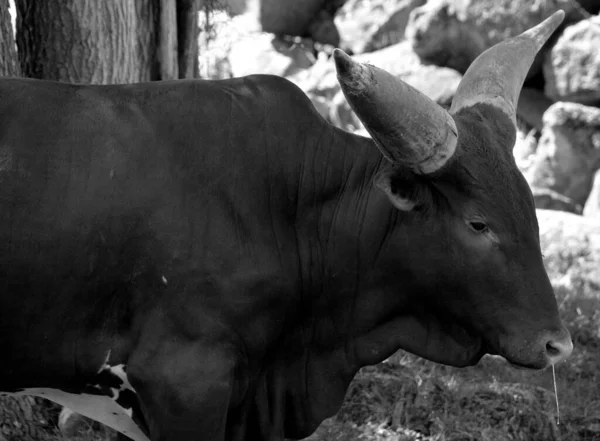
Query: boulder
x: 571, y: 248
x: 551, y: 200
x: 323, y: 29
x: 450, y: 33
x: 366, y: 26
x: 532, y: 105
x: 572, y: 66
x: 369, y: 26
x: 567, y: 157
x: 319, y: 80
x: 592, y: 205
x: 237, y: 47
x: 292, y: 17
x: 438, y: 83
x: 590, y: 6
x: 525, y: 147
x: 266, y: 54
x: 392, y: 31
x: 219, y: 34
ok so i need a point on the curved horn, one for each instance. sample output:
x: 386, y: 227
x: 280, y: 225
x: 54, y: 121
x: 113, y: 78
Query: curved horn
x: 408, y: 127
x: 497, y: 75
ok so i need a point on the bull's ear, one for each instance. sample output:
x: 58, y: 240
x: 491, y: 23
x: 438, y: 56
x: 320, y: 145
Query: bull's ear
x: 404, y: 189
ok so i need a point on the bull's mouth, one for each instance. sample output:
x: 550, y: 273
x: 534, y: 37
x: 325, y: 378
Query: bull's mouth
x: 514, y: 364
x: 442, y: 342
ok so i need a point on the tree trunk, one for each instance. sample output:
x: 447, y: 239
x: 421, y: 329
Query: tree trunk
x: 108, y: 41
x: 8, y: 52
x: 187, y: 37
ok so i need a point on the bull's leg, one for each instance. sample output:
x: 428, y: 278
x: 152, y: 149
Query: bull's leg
x: 184, y: 389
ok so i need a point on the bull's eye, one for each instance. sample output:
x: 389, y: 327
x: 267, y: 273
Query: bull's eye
x: 478, y: 227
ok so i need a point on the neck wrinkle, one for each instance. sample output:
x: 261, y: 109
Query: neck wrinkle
x: 337, y: 231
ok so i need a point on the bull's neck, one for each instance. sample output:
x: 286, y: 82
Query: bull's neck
x: 343, y: 218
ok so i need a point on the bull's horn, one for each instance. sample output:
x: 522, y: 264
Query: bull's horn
x: 497, y: 75
x: 408, y: 127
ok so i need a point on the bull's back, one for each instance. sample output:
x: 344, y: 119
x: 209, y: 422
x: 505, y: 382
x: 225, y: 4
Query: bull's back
x: 105, y: 190
x: 71, y: 153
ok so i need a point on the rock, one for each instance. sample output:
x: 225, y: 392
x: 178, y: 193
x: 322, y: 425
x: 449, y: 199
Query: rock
x: 592, y: 205
x: 320, y: 104
x: 551, y: 200
x: 571, y: 248
x: 532, y: 105
x: 369, y: 26
x: 568, y: 154
x: 237, y: 47
x: 323, y: 29
x: 590, y: 6
x: 438, y: 83
x: 453, y: 34
x: 392, y: 31
x: 233, y: 7
x: 572, y: 67
x: 525, y: 147
x: 266, y: 54
x: 319, y: 80
x: 292, y: 17
x: 219, y: 34
x: 359, y: 20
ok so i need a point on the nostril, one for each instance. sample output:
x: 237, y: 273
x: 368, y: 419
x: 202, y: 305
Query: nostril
x: 552, y: 350
x: 559, y: 349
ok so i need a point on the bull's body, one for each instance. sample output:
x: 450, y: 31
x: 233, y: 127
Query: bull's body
x: 121, y: 204
x: 215, y: 257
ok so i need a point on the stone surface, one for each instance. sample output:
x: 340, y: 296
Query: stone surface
x: 525, y: 147
x: 438, y: 83
x: 592, y: 205
x: 568, y: 154
x: 571, y: 248
x: 532, y: 105
x: 392, y: 31
x: 219, y: 33
x: 572, y: 67
x: 365, y: 25
x: 292, y: 17
x: 453, y: 33
x: 266, y: 54
x: 546, y: 198
x: 236, y: 46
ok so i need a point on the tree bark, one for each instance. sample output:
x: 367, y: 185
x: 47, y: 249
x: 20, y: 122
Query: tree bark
x: 167, y: 45
x: 79, y: 41
x: 8, y: 52
x: 108, y: 41
x: 187, y: 37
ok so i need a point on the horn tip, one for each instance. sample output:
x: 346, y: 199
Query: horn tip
x: 558, y: 15
x: 555, y: 19
x: 354, y: 77
x: 542, y: 32
x: 343, y: 62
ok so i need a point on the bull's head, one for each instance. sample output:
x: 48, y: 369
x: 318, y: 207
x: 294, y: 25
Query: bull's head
x: 474, y: 256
